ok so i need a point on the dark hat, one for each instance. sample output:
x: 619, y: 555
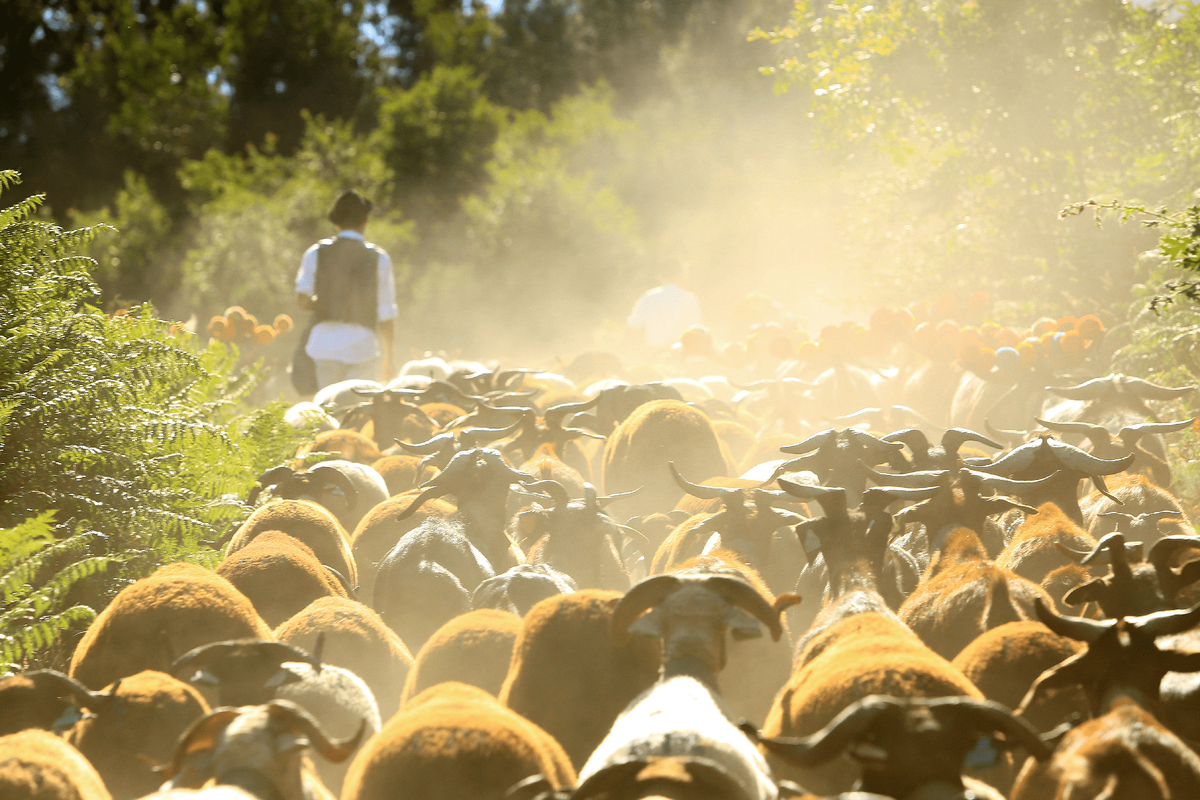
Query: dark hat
x: 350, y: 210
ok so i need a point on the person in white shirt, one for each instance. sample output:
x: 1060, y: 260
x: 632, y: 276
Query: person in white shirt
x: 661, y: 315
x: 347, y: 282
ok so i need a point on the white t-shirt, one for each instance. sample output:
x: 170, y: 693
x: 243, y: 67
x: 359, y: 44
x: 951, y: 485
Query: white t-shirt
x: 665, y: 312
x: 345, y: 341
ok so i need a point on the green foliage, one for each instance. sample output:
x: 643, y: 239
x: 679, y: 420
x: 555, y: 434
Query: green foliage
x: 435, y: 138
x: 121, y: 426
x: 978, y: 120
x: 37, y: 573
x: 260, y: 212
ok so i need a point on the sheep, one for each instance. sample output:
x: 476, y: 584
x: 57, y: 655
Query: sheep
x: 655, y: 433
x: 343, y: 395
x: 427, y: 579
x: 1124, y: 751
x: 355, y: 637
x: 35, y: 764
x: 910, y: 747
x: 519, y: 588
x: 280, y: 575
x: 965, y: 596
x: 474, y: 648
x: 311, y: 523
x: 258, y: 748
x: 856, y: 645
x: 150, y: 622
x: 569, y: 677
x: 41, y: 698
x: 137, y: 718
x: 306, y: 413
x: 454, y: 742
x: 682, y: 716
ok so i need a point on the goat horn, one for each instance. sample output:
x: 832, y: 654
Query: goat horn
x: 300, y: 721
x: 1098, y: 434
x: 642, y: 597
x: 1166, y: 623
x: 1151, y: 391
x: 954, y: 438
x: 1074, y: 458
x: 66, y: 685
x: 990, y: 716
x: 206, y: 654
x: 830, y: 741
x: 1088, y: 390
x: 334, y: 476
x: 1080, y: 629
x: 740, y: 594
x: 814, y: 442
x: 198, y: 737
x: 700, y: 490
x: 917, y: 478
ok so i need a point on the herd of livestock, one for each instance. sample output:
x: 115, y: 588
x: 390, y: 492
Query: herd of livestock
x: 952, y: 566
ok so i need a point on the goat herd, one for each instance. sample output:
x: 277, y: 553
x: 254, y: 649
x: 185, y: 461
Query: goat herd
x: 477, y: 583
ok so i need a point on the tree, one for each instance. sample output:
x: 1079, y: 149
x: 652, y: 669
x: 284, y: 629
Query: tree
x: 980, y: 121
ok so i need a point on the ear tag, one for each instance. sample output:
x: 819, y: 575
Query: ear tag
x: 67, y: 719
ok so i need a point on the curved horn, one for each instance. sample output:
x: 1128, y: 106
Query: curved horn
x: 1008, y: 485
x: 1098, y: 434
x: 954, y: 438
x: 700, y: 490
x: 1080, y: 629
x: 206, y: 654
x: 1151, y: 391
x: 65, y: 685
x: 334, y: 476
x: 832, y: 499
x: 740, y: 594
x: 830, y: 741
x: 1013, y: 461
x: 430, y: 446
x: 300, y: 721
x: 814, y: 442
x: 990, y: 716
x: 1165, y: 549
x: 429, y: 494
x: 199, y: 736
x: 1166, y: 623
x: 917, y: 478
x: 1088, y: 390
x: 558, y: 493
x: 555, y: 415
x: 1074, y: 458
x: 644, y: 595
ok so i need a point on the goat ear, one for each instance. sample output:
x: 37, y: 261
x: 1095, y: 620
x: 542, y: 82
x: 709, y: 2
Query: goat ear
x: 649, y: 624
x: 742, y: 626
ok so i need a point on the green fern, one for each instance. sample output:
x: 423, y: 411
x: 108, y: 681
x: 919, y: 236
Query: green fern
x: 36, y: 574
x: 122, y: 427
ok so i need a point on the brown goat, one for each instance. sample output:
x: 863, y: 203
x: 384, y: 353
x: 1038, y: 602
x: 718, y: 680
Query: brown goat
x: 37, y: 765
x: 355, y: 638
x: 569, y: 677
x: 280, y: 575
x: 312, y: 524
x: 136, y: 719
x: 156, y: 619
x: 454, y: 742
x: 473, y: 648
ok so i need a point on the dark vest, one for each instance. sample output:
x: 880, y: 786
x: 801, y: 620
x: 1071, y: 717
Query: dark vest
x: 347, y: 283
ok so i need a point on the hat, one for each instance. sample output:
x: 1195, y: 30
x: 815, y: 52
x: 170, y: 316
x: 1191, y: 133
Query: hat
x: 350, y: 210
